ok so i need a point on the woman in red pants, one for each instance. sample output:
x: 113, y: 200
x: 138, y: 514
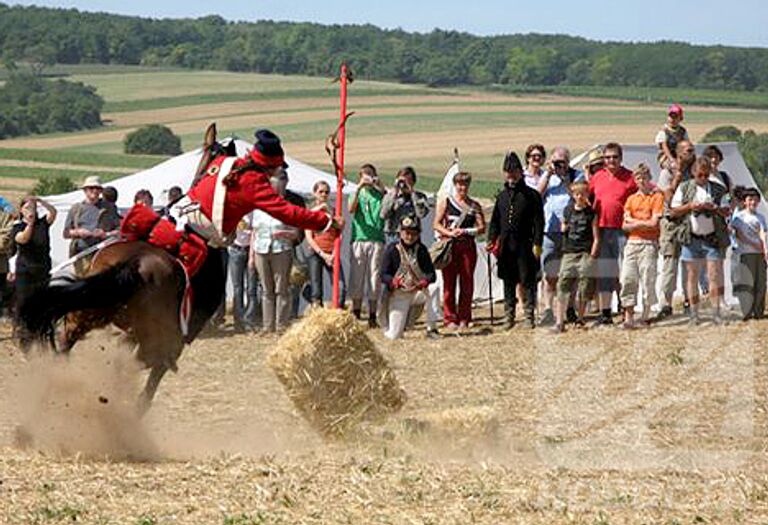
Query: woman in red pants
x: 460, y: 218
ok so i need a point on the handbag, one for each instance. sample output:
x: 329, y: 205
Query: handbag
x: 440, y: 252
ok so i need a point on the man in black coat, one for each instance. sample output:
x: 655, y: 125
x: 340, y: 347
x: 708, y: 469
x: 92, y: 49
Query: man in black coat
x: 515, y: 234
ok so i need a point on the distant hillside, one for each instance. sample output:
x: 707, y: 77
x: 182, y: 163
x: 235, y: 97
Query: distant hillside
x: 439, y: 58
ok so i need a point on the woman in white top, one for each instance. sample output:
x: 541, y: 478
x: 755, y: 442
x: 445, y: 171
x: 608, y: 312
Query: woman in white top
x: 535, y: 155
x: 697, y: 203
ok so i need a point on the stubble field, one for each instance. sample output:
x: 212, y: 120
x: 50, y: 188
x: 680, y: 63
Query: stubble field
x: 597, y: 427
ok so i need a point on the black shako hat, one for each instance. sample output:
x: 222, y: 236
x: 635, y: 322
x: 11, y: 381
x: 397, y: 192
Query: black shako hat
x: 267, y: 149
x: 409, y: 222
x: 511, y: 162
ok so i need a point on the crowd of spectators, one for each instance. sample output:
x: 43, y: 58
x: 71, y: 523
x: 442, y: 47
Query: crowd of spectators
x: 563, y: 239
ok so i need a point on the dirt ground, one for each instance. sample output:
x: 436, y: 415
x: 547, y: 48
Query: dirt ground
x: 661, y: 425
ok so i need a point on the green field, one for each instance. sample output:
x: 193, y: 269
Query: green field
x: 83, y: 158
x: 394, y: 124
x: 700, y: 97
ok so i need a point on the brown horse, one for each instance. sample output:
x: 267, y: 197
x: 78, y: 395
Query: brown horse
x: 138, y: 288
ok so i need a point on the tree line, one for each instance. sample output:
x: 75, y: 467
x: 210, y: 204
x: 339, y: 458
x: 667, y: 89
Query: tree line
x: 30, y: 104
x: 438, y: 58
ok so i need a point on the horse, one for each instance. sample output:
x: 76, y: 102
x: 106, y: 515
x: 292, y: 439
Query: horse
x: 139, y: 288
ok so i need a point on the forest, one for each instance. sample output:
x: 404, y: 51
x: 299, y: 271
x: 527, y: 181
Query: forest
x: 31, y: 104
x: 437, y: 58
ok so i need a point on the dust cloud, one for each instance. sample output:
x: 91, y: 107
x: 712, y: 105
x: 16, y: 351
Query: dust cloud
x: 83, y: 403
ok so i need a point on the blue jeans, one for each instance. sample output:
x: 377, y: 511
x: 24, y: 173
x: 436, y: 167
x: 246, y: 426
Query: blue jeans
x: 700, y: 249
x: 317, y: 268
x: 245, y: 287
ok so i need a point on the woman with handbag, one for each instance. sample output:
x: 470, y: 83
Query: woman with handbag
x: 459, y: 219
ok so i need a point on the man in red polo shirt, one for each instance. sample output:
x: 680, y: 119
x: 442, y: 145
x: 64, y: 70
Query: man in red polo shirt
x: 610, y: 187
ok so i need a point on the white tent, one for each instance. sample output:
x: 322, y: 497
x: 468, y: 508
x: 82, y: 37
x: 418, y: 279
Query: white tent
x: 178, y: 171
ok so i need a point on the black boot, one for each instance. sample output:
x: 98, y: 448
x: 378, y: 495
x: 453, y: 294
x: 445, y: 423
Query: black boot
x: 570, y: 315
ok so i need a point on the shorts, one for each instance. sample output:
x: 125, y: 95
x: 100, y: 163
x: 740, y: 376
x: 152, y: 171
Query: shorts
x: 612, y: 242
x: 551, y: 254
x: 699, y: 249
x: 576, y: 269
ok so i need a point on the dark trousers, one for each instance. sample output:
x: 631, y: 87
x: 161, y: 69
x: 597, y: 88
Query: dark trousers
x: 750, y: 286
x: 27, y: 283
x: 519, y: 267
x: 317, y: 269
x: 5, y: 295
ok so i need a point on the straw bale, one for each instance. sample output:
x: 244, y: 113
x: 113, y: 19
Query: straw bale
x: 333, y: 373
x: 456, y: 423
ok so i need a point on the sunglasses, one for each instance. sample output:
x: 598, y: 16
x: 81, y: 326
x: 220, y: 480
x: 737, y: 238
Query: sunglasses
x: 537, y: 156
x: 606, y: 157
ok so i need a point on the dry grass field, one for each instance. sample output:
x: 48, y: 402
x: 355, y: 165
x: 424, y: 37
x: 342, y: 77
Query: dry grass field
x: 598, y: 427
x: 394, y: 124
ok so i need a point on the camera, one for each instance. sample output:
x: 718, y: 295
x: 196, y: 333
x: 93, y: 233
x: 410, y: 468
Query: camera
x: 559, y: 164
x: 401, y: 185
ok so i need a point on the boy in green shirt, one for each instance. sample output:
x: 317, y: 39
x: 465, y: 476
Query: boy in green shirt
x: 367, y: 243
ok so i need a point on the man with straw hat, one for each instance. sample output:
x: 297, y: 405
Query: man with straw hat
x: 82, y: 224
x: 595, y: 162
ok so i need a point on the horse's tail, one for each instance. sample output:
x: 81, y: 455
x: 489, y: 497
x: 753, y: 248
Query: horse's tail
x: 108, y: 289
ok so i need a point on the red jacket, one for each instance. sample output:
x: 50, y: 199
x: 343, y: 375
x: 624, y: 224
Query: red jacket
x: 251, y: 190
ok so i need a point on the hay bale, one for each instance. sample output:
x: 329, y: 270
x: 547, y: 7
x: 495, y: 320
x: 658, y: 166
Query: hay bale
x: 458, y: 423
x: 333, y: 372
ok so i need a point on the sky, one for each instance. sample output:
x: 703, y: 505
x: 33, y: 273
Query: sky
x: 730, y: 22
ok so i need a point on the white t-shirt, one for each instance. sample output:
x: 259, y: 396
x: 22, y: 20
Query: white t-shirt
x: 532, y: 180
x: 749, y: 226
x: 702, y: 223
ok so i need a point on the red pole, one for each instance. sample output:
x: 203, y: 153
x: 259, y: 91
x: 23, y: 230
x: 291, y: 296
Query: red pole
x: 340, y: 184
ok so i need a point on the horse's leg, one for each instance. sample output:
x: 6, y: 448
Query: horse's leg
x: 208, y: 292
x: 156, y: 374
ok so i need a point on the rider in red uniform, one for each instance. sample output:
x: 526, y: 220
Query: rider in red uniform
x: 248, y: 188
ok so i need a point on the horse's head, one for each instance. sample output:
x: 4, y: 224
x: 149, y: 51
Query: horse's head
x: 211, y: 150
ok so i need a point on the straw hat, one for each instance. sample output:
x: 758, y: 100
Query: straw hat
x: 92, y: 181
x: 595, y: 156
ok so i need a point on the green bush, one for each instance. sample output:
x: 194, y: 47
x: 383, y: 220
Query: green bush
x: 152, y: 140
x: 53, y: 185
x: 723, y: 134
x: 752, y: 146
x: 29, y: 104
